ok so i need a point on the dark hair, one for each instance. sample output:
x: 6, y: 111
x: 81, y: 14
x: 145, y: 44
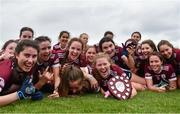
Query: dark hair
x: 70, y: 73
x: 26, y: 43
x: 69, y: 44
x: 108, y: 32
x: 105, y: 39
x: 136, y: 33
x: 150, y: 43
x: 26, y: 29
x: 62, y: 32
x: 7, y: 43
x: 42, y: 39
x: 158, y: 55
x: 73, y: 40
x: 164, y: 42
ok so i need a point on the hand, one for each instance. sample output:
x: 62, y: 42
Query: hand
x: 6, y: 55
x: 130, y: 50
x: 54, y: 95
x: 93, y: 82
x: 27, y: 89
x: 45, y: 76
x: 107, y: 94
x: 161, y: 89
x: 124, y: 52
x: 64, y: 66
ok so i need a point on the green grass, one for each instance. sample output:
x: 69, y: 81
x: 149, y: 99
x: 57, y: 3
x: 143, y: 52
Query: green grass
x: 144, y: 102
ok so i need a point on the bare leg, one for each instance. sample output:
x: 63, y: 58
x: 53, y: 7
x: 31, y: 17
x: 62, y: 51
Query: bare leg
x: 178, y: 81
x: 134, y: 92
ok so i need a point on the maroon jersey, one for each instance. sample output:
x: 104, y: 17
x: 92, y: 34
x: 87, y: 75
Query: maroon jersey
x: 12, y: 74
x: 175, y: 61
x: 115, y: 71
x: 60, y: 52
x: 167, y: 74
x: 79, y: 62
x: 5, y: 72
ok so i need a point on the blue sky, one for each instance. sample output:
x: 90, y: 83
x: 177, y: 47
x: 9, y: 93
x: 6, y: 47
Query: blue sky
x: 155, y: 19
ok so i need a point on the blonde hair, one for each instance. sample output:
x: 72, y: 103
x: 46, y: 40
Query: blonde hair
x: 102, y: 55
x: 98, y: 56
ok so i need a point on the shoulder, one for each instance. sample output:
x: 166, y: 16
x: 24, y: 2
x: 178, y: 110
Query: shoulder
x: 117, y: 69
x: 6, y: 67
x: 56, y: 46
x: 177, y: 54
x: 168, y: 68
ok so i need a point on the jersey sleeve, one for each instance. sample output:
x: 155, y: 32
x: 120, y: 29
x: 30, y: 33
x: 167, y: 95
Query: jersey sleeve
x: 148, y: 74
x: 171, y: 74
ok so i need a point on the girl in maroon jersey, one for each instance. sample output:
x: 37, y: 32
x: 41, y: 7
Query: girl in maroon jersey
x: 74, y: 56
x: 90, y: 54
x: 8, y: 50
x: 147, y: 47
x: 50, y: 60
x: 171, y: 56
x: 61, y: 46
x: 104, y: 69
x: 159, y: 77
x: 63, y: 41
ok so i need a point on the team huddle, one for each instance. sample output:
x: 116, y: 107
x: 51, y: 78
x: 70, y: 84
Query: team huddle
x: 30, y: 67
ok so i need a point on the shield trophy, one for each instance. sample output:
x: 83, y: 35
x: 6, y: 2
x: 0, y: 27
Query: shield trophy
x: 120, y: 87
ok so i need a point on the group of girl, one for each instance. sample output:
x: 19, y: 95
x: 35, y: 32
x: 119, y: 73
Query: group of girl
x: 73, y: 67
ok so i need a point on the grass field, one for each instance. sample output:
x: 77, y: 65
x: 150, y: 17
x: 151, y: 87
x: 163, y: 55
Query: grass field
x: 144, y: 102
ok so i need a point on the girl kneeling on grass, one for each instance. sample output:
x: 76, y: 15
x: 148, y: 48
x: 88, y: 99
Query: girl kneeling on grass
x: 104, y: 69
x: 159, y: 77
x: 72, y: 82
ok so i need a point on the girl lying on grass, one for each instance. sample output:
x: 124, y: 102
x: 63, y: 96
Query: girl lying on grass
x: 159, y: 77
x: 72, y: 82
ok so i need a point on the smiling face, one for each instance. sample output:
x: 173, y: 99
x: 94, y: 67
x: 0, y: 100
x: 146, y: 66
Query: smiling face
x: 103, y: 67
x: 166, y: 51
x: 146, y: 50
x: 90, y: 54
x: 27, y: 58
x: 75, y: 50
x: 155, y: 63
x: 11, y: 48
x: 109, y: 48
x: 45, y: 50
x: 136, y: 37
x: 64, y: 39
